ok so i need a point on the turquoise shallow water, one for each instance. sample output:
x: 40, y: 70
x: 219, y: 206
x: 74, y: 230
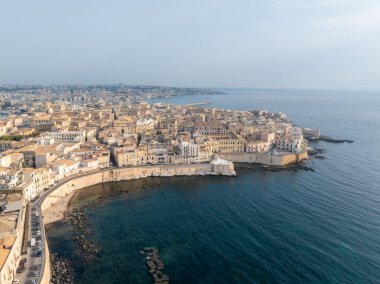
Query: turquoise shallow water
x: 261, y: 227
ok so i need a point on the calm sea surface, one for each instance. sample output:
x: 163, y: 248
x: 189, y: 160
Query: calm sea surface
x: 261, y: 227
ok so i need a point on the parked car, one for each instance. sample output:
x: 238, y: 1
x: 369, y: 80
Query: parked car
x: 35, y: 273
x: 38, y: 232
x: 38, y: 254
x: 16, y: 281
x: 23, y: 261
x: 34, y: 281
x: 20, y: 269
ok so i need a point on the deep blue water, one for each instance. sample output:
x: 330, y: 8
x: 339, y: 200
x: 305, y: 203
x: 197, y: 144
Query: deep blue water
x: 261, y: 227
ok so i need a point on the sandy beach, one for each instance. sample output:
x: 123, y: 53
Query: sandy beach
x: 56, y: 212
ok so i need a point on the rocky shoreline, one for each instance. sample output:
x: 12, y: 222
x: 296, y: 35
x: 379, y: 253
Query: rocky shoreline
x: 330, y: 139
x: 61, y: 273
x: 293, y: 167
x: 80, y: 221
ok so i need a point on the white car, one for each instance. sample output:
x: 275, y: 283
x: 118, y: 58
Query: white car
x: 16, y: 281
x: 38, y: 232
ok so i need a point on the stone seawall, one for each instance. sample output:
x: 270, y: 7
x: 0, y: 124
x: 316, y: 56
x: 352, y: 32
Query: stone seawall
x: 45, y: 279
x: 264, y: 159
x: 121, y: 174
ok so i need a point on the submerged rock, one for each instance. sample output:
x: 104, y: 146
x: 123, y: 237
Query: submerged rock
x: 155, y: 265
x: 60, y: 270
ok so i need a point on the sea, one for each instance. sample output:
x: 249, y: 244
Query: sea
x: 259, y: 227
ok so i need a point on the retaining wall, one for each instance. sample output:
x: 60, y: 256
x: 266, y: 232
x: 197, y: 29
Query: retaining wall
x: 119, y: 174
x: 264, y: 159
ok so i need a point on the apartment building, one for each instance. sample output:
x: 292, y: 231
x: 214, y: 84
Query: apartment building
x: 210, y: 128
x: 189, y: 152
x: 227, y: 143
x: 67, y: 136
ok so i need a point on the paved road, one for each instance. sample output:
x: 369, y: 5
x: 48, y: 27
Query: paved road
x: 34, y: 263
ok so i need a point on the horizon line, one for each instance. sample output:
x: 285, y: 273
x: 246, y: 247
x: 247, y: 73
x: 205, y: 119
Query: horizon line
x: 189, y: 87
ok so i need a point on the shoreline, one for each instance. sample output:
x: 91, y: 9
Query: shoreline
x: 56, y: 202
x: 92, y: 197
x: 57, y: 211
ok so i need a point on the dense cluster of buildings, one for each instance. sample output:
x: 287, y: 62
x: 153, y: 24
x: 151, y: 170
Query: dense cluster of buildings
x: 46, y: 141
x: 46, y: 136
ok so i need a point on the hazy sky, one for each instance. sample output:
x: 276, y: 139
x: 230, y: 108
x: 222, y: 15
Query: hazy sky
x: 312, y: 44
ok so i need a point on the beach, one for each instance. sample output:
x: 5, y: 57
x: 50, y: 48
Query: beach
x: 56, y: 212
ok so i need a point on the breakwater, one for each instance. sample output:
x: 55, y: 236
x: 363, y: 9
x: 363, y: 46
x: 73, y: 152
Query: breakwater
x: 155, y: 265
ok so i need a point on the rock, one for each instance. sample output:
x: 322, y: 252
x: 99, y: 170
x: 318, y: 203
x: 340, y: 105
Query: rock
x: 155, y: 264
x: 320, y: 157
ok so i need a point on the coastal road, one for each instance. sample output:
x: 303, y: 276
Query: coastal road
x: 33, y: 263
x: 37, y: 263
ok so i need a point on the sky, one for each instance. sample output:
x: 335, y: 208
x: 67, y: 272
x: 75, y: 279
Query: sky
x: 288, y: 44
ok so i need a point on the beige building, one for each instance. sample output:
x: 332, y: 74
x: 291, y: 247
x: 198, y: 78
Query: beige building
x: 11, y: 159
x: 11, y: 234
x: 43, y: 157
x: 68, y: 136
x: 144, y: 125
x: 210, y: 128
x: 168, y: 127
x: 6, y: 145
x: 125, y: 155
x: 41, y: 120
x: 40, y: 177
x: 227, y: 143
x: 3, y: 129
x: 256, y: 146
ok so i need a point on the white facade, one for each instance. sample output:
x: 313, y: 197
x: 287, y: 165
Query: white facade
x: 68, y: 136
x: 189, y: 152
x: 289, y: 144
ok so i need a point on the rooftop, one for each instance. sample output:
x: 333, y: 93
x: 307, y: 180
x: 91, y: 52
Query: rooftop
x: 6, y: 245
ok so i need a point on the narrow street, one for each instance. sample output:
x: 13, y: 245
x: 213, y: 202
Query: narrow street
x: 33, y: 264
